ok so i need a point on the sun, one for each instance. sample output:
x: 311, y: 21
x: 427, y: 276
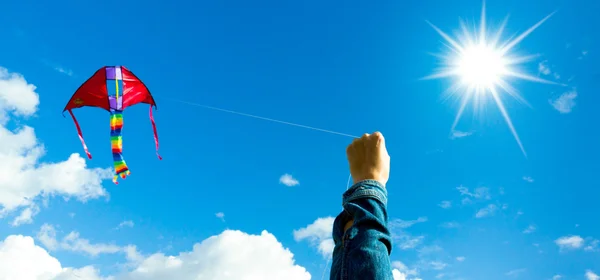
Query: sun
x: 482, y: 67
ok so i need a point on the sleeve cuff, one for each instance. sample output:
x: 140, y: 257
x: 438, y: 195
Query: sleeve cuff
x: 365, y: 189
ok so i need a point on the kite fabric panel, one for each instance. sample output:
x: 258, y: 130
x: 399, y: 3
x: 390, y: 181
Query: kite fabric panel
x: 113, y: 88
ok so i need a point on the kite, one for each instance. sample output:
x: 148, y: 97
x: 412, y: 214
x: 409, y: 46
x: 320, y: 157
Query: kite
x: 113, y: 88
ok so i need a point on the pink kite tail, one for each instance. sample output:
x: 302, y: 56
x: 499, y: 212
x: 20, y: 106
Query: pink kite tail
x: 155, y: 133
x: 80, y: 135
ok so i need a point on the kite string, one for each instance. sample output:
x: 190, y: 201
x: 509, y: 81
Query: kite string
x: 329, y: 258
x: 262, y: 118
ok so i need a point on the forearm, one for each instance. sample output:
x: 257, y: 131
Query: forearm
x: 362, y: 250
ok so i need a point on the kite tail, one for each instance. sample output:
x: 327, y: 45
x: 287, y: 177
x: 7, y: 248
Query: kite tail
x: 80, y: 135
x: 116, y: 140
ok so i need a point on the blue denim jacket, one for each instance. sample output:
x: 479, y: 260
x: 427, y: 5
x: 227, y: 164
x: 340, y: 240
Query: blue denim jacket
x: 363, y: 252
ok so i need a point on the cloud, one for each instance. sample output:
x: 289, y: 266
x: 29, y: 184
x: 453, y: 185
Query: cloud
x: 593, y: 246
x: 564, y: 103
x: 445, y: 204
x: 227, y: 256
x: 487, y: 211
x: 460, y: 134
x: 26, y: 216
x: 437, y: 265
x: 528, y: 179
x: 21, y: 259
x: 516, y: 272
x: 402, y: 238
x: 460, y: 259
x: 529, y: 229
x: 571, y: 242
x: 450, y: 225
x: 319, y: 234
x: 402, y: 224
x: 543, y: 68
x: 127, y: 223
x: 24, y: 178
x: 479, y: 193
x: 65, y: 71
x: 288, y: 180
x: 74, y: 243
x: 590, y: 275
x: 556, y: 277
x: 220, y: 215
x: 400, y: 266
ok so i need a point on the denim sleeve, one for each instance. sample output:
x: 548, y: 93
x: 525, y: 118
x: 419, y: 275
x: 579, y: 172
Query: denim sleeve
x: 363, y: 251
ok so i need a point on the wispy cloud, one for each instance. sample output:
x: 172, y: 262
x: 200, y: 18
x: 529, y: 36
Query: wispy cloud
x: 516, y: 272
x: 543, y: 68
x: 128, y: 223
x: 592, y: 246
x: 529, y: 229
x: 528, y: 179
x: 402, y: 224
x: 460, y: 134
x: 288, y: 180
x: 487, y: 211
x: 450, y: 225
x: 401, y: 237
x: 220, y: 215
x: 460, y: 259
x: 570, y: 242
x: 565, y: 102
x: 445, y: 204
x: 556, y: 277
x: 74, y: 243
x: 479, y: 193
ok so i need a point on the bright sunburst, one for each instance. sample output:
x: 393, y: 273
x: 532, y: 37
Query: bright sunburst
x: 482, y: 64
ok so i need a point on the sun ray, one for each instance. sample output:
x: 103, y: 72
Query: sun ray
x: 480, y: 62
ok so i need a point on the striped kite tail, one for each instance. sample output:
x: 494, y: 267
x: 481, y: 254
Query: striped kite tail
x: 116, y: 140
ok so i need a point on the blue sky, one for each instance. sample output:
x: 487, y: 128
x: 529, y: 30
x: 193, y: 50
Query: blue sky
x: 351, y: 67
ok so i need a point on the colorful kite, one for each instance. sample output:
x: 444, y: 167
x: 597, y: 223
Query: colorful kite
x: 113, y: 88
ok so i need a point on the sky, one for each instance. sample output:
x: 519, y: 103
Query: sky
x: 241, y: 198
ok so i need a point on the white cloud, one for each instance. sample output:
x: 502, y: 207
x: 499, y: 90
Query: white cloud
x: 556, y: 277
x: 73, y: 242
x: 593, y: 246
x: 543, y: 68
x: 63, y: 70
x: 445, y: 204
x: 220, y: 215
x: 21, y: 259
x: 460, y: 134
x: 26, y: 216
x: 516, y: 272
x: 529, y: 229
x: 288, y: 180
x: 479, y: 193
x: 402, y: 224
x: 319, y: 234
x: 450, y: 225
x: 565, y: 103
x: 489, y: 210
x: 569, y: 242
x: 590, y: 275
x: 460, y: 259
x: 227, y: 256
x: 128, y: 223
x: 23, y: 177
x: 528, y: 179
x: 437, y: 265
x: 400, y: 266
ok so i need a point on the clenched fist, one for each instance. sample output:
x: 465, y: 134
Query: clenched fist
x: 369, y: 159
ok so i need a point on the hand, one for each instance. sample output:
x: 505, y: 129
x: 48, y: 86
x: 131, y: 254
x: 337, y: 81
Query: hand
x: 369, y: 159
